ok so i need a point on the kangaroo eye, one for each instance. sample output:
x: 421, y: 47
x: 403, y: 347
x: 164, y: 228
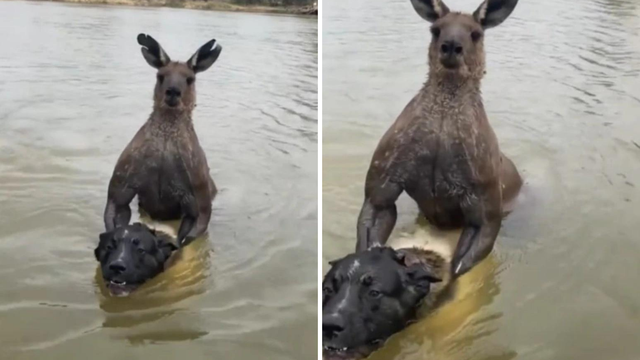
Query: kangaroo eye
x: 375, y: 293
x: 327, y: 290
x: 190, y: 80
x: 160, y: 78
x: 435, y: 31
x: 141, y: 251
x: 476, y: 35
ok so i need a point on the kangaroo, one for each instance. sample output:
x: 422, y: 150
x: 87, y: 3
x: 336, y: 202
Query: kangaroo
x: 441, y: 150
x: 164, y: 164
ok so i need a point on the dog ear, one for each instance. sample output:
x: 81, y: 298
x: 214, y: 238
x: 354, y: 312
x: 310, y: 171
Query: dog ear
x: 420, y: 276
x: 145, y: 227
x: 105, y: 237
x: 335, y: 262
x: 399, y: 256
x: 165, y: 246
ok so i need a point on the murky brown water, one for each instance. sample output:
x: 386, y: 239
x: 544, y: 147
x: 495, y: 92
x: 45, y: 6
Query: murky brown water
x: 562, y: 95
x: 74, y: 89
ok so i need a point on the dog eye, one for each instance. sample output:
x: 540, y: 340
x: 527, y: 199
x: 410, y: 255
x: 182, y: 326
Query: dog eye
x: 190, y: 80
x: 374, y: 293
x: 367, y: 280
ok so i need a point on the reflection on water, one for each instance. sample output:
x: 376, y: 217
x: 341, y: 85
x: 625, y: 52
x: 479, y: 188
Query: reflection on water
x: 561, y: 94
x: 74, y: 90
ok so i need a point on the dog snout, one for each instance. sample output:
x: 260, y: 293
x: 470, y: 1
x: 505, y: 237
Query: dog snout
x: 173, y: 91
x: 117, y: 267
x: 332, y: 325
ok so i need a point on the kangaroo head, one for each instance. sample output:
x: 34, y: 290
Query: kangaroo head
x: 457, y: 43
x: 175, y: 85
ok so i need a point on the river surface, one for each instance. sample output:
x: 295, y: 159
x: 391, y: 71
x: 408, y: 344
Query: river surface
x: 561, y: 92
x: 74, y: 89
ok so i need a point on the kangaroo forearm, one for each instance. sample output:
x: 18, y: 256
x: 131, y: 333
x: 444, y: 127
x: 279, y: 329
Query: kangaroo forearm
x: 186, y: 226
x: 375, y: 225
x: 110, y: 215
x: 475, y: 244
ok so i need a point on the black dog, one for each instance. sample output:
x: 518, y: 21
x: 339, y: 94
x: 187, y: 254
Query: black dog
x: 131, y: 255
x: 370, y: 295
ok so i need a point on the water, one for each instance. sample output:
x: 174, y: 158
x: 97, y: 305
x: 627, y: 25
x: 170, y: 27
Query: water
x: 74, y: 89
x: 561, y: 94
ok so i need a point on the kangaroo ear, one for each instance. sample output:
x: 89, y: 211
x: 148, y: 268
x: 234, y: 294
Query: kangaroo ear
x: 430, y: 10
x: 152, y: 51
x: 105, y: 237
x: 492, y: 13
x: 205, y: 56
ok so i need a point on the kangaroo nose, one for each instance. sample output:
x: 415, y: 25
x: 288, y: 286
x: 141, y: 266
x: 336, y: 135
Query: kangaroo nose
x: 117, y: 267
x: 450, y: 48
x: 332, y: 325
x: 173, y: 91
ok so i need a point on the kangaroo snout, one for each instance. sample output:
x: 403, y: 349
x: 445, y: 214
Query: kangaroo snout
x: 451, y: 48
x: 451, y: 53
x: 173, y: 92
x: 172, y: 96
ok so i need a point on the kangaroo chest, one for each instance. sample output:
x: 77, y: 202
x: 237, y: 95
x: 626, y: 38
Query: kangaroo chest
x: 164, y: 179
x: 445, y: 146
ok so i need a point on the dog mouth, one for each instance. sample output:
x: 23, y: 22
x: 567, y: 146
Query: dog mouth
x: 335, y: 349
x: 331, y: 352
x: 119, y: 288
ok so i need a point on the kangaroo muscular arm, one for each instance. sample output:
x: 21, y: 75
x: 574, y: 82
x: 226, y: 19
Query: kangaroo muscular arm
x: 117, y: 212
x: 377, y: 216
x: 483, y: 218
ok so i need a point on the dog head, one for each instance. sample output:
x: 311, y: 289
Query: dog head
x: 131, y: 255
x: 368, y: 296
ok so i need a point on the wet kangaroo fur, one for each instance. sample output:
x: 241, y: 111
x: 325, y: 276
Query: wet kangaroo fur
x: 164, y: 164
x: 441, y: 150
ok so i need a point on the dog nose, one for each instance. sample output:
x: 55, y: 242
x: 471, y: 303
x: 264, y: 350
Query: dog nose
x: 173, y: 91
x: 117, y: 267
x: 332, y: 325
x: 451, y: 47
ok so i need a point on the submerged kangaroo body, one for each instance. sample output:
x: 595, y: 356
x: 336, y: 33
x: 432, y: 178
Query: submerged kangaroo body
x: 164, y: 164
x: 441, y: 150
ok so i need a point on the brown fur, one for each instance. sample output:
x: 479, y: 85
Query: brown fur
x: 437, y: 265
x: 164, y: 164
x: 442, y: 150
